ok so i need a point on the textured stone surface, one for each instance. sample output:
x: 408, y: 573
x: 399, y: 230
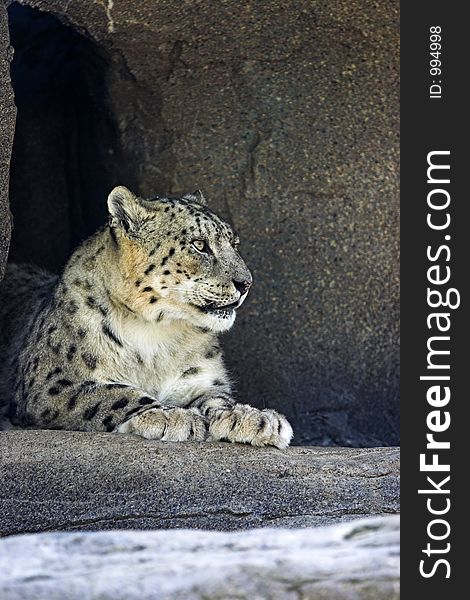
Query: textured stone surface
x: 286, y: 114
x: 60, y: 480
x: 7, y: 127
x: 351, y: 561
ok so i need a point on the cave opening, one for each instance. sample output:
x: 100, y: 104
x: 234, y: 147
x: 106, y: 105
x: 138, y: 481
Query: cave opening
x: 66, y: 154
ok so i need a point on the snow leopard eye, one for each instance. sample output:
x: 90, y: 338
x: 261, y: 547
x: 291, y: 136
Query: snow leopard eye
x: 201, y: 246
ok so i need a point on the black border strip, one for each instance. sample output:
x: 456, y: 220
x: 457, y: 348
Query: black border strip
x: 433, y: 124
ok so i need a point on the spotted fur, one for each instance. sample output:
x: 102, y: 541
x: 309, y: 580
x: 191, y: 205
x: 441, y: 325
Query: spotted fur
x: 125, y: 340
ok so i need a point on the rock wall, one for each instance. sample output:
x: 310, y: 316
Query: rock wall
x: 286, y: 115
x: 7, y: 127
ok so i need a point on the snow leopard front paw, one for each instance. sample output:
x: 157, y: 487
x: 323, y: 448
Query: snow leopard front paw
x: 167, y: 424
x: 245, y: 424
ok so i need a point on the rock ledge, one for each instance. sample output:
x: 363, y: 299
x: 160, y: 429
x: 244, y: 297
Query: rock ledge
x: 357, y: 560
x: 56, y: 480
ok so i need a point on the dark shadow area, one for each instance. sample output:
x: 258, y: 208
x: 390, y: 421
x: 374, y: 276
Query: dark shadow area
x: 66, y: 155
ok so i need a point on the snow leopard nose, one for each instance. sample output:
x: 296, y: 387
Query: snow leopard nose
x: 242, y: 286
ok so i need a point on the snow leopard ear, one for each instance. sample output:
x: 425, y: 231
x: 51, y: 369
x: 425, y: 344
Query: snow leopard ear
x: 125, y: 210
x: 199, y: 197
x: 196, y: 196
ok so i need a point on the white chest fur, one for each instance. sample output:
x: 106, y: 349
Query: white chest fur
x: 167, y: 360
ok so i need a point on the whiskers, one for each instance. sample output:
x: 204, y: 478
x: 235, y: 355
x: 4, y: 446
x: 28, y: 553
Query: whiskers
x: 203, y: 295
x: 174, y: 288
